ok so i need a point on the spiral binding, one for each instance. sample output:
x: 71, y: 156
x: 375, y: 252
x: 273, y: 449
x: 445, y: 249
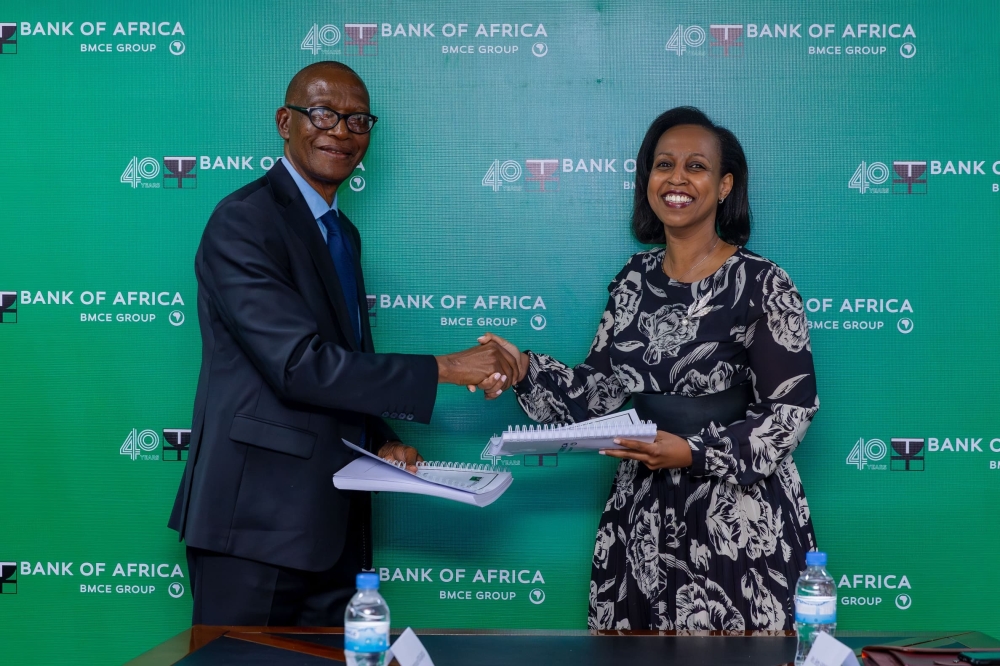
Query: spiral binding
x: 431, y: 465
x: 597, y: 431
x: 458, y: 466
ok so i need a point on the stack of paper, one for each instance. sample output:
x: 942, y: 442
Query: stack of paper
x: 479, y: 485
x: 590, y: 435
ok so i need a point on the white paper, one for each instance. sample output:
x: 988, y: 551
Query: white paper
x: 409, y: 651
x: 591, y: 435
x: 371, y: 473
x: 828, y: 651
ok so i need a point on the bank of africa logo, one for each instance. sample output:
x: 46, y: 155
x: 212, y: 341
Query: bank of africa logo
x: 907, y: 177
x: 177, y: 47
x: 905, y: 325
x: 141, y: 170
x: 904, y: 601
x: 8, y: 307
x: 176, y: 318
x: 362, y: 37
x: 686, y: 37
x: 321, y: 39
x: 726, y: 38
x: 536, y: 596
x: 357, y: 183
x: 8, y: 577
x: 177, y: 174
x: 908, y: 455
x: 140, y: 444
x: 907, y: 50
x: 175, y: 444
x: 538, y: 322
x: 910, y: 176
x: 539, y: 49
x: 542, y: 172
x: 175, y: 590
x: 867, y: 451
x: 8, y: 38
x: 499, y: 173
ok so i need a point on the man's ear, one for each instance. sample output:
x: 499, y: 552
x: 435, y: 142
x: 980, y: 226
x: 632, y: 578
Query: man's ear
x: 281, y: 118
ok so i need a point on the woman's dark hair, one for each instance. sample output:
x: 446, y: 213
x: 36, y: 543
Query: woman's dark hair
x: 732, y: 220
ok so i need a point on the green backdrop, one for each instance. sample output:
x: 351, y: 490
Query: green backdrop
x: 500, y: 169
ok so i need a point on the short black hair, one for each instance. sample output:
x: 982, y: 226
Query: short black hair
x: 732, y: 219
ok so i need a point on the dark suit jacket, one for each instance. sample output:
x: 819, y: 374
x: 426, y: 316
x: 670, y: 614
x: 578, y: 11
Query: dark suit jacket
x: 282, y: 381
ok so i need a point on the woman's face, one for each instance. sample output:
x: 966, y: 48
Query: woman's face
x: 686, y: 182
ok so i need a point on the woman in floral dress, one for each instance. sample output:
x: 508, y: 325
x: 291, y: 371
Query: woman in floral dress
x: 711, y: 531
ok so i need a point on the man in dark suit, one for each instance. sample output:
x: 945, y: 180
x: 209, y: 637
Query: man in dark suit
x: 288, y: 369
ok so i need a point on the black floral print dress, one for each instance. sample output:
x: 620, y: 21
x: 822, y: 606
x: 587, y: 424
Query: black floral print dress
x: 718, y: 545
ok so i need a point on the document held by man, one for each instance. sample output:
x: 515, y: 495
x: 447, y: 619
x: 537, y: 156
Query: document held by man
x: 479, y: 485
x: 590, y: 435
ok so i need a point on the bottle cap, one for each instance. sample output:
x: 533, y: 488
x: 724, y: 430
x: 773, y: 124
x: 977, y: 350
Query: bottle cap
x: 813, y: 559
x: 367, y: 581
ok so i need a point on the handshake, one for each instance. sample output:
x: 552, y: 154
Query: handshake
x: 494, y: 366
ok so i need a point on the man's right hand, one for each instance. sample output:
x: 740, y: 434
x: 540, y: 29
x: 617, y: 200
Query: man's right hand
x: 491, y: 386
x: 475, y: 365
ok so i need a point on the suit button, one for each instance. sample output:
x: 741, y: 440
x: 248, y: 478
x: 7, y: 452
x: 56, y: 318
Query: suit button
x: 393, y: 415
x: 385, y: 415
x: 409, y: 417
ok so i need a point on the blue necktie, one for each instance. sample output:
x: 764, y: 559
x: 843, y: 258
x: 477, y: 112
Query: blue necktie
x: 343, y: 260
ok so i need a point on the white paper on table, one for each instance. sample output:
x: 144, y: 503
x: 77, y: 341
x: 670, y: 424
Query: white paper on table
x: 409, y: 651
x: 828, y: 651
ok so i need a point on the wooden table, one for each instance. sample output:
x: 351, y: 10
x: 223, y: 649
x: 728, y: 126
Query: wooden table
x: 276, y: 646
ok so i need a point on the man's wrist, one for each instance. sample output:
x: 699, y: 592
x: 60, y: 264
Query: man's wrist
x: 444, y: 369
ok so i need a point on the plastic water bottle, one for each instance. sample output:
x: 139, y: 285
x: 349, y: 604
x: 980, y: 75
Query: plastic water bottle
x: 815, y: 604
x: 366, y: 624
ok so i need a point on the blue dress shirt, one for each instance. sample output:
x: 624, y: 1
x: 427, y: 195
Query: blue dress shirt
x: 317, y: 204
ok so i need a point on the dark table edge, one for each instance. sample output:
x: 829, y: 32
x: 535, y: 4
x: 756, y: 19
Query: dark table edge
x: 176, y: 648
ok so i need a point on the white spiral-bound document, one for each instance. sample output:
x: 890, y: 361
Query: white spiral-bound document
x: 469, y: 483
x: 590, y: 435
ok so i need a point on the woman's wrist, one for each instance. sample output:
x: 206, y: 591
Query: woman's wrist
x: 523, y: 361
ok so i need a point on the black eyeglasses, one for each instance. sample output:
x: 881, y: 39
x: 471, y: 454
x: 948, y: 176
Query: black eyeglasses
x: 326, y: 119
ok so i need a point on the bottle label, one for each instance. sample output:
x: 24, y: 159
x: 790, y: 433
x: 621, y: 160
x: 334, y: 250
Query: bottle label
x: 366, y: 636
x: 816, y: 610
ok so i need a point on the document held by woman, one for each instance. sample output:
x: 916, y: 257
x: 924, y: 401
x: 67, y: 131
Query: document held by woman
x: 591, y: 435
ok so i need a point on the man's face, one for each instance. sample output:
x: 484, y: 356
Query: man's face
x: 328, y: 156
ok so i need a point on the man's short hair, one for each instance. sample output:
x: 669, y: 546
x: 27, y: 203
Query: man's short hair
x: 306, y: 75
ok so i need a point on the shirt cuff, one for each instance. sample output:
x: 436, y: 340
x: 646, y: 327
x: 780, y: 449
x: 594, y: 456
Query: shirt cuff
x: 524, y: 385
x: 698, y: 450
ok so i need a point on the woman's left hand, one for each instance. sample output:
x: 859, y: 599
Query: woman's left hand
x: 667, y: 451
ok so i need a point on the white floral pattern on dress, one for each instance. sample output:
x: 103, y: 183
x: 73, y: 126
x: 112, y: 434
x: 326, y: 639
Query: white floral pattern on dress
x: 626, y: 296
x: 786, y: 314
x: 739, y: 519
x: 717, y: 379
x: 629, y: 378
x: 603, y: 330
x: 652, y: 260
x: 765, y: 610
x: 669, y: 540
x: 703, y: 605
x: 605, y: 539
x: 667, y: 329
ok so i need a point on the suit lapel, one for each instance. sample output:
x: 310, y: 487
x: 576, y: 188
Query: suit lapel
x: 299, y: 218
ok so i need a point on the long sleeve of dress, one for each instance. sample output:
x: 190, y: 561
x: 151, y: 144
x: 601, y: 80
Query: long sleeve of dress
x: 552, y: 392
x: 780, y: 360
